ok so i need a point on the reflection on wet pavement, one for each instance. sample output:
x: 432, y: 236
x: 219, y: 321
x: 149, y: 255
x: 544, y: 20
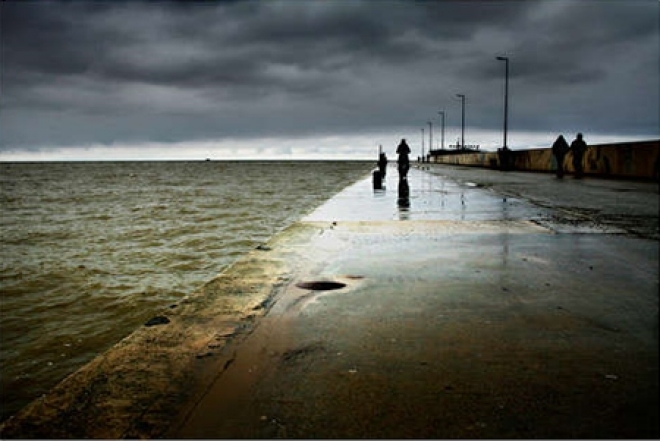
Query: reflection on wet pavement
x: 431, y: 197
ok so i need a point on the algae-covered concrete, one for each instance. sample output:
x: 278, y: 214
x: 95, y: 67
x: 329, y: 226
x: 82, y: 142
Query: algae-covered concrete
x: 472, y: 309
x: 137, y: 387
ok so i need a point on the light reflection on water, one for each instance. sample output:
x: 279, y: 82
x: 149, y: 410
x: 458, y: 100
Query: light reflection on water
x: 91, y: 250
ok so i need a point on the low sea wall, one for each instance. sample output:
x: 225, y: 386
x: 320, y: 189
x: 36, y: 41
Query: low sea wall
x: 631, y: 160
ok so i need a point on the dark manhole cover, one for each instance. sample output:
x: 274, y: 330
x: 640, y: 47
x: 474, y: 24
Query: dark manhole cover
x: 158, y: 320
x: 320, y: 285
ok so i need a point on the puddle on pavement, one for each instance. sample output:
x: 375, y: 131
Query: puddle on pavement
x: 320, y: 285
x: 431, y: 197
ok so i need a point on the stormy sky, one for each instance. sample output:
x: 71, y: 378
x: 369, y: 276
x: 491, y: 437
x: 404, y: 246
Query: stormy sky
x: 319, y: 79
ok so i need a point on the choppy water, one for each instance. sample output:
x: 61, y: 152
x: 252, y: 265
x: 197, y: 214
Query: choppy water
x: 90, y: 251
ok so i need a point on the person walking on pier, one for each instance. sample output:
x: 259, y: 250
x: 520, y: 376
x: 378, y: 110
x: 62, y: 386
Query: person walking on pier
x: 578, y: 147
x: 559, y: 149
x: 403, y: 150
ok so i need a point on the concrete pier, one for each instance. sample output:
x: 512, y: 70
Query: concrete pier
x: 489, y: 305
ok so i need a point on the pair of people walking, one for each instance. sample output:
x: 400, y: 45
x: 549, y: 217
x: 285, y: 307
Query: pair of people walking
x: 578, y: 147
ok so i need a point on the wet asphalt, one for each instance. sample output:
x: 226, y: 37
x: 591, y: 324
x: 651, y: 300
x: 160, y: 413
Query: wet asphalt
x: 484, y: 305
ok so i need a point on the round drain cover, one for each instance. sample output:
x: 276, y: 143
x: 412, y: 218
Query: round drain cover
x: 320, y: 285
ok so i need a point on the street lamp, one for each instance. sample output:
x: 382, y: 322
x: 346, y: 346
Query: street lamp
x: 443, y: 129
x: 506, y: 98
x: 462, y: 97
x: 422, y: 144
x: 430, y: 136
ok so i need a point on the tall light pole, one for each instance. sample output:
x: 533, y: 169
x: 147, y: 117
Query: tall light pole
x: 430, y: 136
x: 442, y: 133
x: 422, y: 144
x: 506, y: 98
x: 462, y: 97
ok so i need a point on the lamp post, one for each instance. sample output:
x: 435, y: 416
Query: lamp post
x: 462, y: 97
x: 442, y: 133
x: 506, y: 98
x: 430, y: 136
x: 422, y: 144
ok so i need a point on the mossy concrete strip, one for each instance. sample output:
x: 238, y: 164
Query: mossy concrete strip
x: 135, y: 388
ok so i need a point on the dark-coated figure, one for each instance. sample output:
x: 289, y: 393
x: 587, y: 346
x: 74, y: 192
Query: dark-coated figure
x: 382, y: 164
x: 578, y: 147
x: 559, y: 149
x: 403, y: 150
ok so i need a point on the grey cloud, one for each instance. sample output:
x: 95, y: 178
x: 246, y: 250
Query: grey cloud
x: 108, y: 71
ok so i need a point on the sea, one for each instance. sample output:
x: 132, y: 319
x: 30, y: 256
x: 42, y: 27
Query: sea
x: 91, y: 250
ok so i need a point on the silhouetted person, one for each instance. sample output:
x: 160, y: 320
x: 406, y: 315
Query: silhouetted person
x: 559, y: 149
x: 578, y: 147
x: 403, y: 150
x: 382, y: 164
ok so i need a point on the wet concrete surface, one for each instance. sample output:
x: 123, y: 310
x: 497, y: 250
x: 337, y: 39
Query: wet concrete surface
x: 431, y: 197
x: 486, y: 305
x: 468, y: 312
x: 587, y: 205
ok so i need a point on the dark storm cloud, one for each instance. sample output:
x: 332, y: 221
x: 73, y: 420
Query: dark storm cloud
x: 82, y: 72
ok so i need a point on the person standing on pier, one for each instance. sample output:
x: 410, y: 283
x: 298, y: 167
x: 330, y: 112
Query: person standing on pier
x: 578, y: 147
x: 403, y: 150
x: 382, y: 164
x: 559, y: 149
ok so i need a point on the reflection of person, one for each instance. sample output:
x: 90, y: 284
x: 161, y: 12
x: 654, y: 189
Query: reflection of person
x: 403, y: 150
x: 403, y: 201
x: 559, y: 149
x: 382, y: 164
x: 578, y: 147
